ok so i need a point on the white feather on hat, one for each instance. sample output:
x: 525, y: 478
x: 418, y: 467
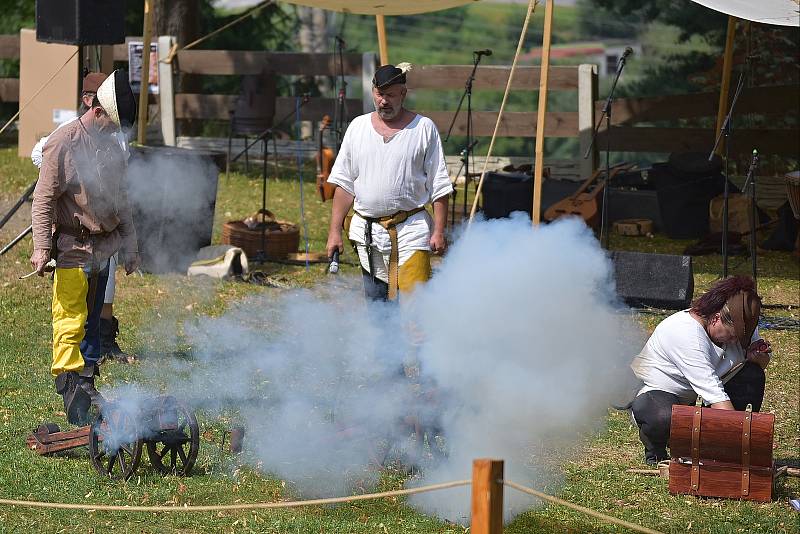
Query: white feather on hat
x: 107, y: 96
x: 404, y: 67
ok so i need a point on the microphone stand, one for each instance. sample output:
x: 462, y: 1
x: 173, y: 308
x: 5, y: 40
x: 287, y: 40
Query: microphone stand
x: 340, y: 112
x: 268, y: 132
x: 266, y: 136
x: 725, y: 131
x: 455, y: 192
x: 604, y: 237
x: 467, y: 152
x: 750, y: 183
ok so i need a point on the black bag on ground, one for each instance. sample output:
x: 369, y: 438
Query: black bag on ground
x: 785, y: 233
x: 685, y: 185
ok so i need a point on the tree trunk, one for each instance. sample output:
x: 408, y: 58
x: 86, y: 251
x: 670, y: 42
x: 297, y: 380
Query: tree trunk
x: 181, y: 19
x: 313, y: 38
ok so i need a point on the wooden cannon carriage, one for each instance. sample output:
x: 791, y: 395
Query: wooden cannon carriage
x: 116, y: 437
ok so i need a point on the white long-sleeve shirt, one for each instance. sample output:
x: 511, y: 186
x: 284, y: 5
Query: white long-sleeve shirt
x: 680, y: 358
x: 402, y: 174
x: 38, y: 148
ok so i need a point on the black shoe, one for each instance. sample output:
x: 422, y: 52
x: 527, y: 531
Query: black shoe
x: 86, y: 383
x: 77, y: 400
x: 653, y: 457
x: 109, y: 328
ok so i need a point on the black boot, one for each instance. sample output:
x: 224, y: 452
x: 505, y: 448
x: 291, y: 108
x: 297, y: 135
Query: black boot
x: 77, y: 400
x: 109, y: 328
x: 86, y: 383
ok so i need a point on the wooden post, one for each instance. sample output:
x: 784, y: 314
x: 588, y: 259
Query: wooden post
x: 538, y: 166
x: 725, y: 85
x: 383, y: 48
x: 587, y: 94
x: 146, y: 33
x: 166, y: 90
x: 487, y: 496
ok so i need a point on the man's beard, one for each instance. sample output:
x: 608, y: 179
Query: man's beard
x: 387, y: 114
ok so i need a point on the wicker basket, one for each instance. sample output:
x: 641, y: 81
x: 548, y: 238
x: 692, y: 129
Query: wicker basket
x: 281, y: 238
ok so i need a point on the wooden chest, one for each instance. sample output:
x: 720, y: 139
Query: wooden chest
x: 721, y: 453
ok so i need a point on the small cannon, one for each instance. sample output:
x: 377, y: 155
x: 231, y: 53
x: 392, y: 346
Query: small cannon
x: 116, y: 437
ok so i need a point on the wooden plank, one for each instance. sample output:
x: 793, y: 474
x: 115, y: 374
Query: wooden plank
x: 199, y: 106
x: 229, y: 62
x: 781, y: 99
x: 54, y: 437
x: 9, y: 89
x: 641, y: 139
x: 513, y: 124
x: 587, y: 94
x: 492, y: 77
x: 145, y: 84
x: 166, y: 91
x: 383, y: 48
x: 487, y: 496
x: 541, y: 115
x: 9, y: 46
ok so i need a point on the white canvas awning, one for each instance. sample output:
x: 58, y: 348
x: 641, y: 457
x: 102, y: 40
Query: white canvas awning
x: 778, y: 12
x: 383, y: 7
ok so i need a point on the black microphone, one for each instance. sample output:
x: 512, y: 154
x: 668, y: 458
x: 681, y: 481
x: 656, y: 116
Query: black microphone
x: 751, y: 170
x: 333, y: 268
x: 486, y: 52
x: 628, y: 52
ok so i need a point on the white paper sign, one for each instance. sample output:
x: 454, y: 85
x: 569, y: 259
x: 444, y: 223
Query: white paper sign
x: 60, y: 116
x: 135, y: 67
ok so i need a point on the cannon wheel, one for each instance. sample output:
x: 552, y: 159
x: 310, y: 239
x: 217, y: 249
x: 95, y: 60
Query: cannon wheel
x: 122, y: 462
x: 174, y: 451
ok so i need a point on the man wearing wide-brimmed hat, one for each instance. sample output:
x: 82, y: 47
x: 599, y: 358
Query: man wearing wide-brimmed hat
x: 390, y: 166
x: 712, y: 350
x: 80, y: 218
x: 109, y: 326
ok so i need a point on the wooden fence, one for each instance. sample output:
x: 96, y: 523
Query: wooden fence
x: 633, y: 118
x: 640, y: 124
x: 9, y: 87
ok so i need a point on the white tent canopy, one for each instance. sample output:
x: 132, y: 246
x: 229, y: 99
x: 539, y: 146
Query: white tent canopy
x: 383, y: 7
x: 777, y: 12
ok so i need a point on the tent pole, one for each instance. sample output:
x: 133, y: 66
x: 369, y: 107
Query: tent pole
x: 725, y: 85
x: 383, y: 49
x: 538, y: 166
x: 146, y: 35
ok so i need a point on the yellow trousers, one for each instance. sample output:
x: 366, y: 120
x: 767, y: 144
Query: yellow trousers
x: 416, y: 269
x: 69, y: 319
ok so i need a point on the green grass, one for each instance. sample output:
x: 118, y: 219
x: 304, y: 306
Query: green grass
x: 595, y: 478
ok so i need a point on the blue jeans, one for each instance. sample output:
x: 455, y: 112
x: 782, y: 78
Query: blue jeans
x: 375, y: 289
x: 91, y: 349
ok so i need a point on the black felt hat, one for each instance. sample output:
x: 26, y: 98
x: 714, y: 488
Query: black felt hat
x: 387, y: 75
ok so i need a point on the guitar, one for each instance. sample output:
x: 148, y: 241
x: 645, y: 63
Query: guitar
x: 584, y: 204
x: 325, y: 159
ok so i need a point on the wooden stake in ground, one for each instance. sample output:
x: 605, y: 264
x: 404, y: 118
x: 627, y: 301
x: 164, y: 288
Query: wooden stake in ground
x: 383, y: 48
x: 538, y: 165
x: 487, y: 496
x: 146, y: 37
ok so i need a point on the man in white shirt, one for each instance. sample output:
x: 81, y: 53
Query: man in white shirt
x: 712, y: 350
x: 390, y: 165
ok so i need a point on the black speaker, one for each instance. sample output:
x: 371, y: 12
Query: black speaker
x: 80, y: 22
x: 654, y: 280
